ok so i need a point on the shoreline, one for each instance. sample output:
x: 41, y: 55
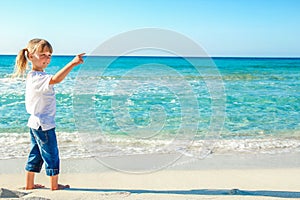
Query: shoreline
x: 178, y: 161
x: 243, y: 176
x: 76, y: 146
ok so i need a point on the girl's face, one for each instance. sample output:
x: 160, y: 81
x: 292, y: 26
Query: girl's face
x: 40, y: 60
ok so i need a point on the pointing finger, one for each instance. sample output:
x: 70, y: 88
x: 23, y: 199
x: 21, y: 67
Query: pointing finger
x: 82, y: 54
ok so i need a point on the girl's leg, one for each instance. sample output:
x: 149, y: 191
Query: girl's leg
x: 54, y: 183
x: 30, y: 181
x: 50, y: 154
x: 34, y: 164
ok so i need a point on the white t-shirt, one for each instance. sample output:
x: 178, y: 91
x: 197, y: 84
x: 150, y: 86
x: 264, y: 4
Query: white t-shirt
x: 40, y: 101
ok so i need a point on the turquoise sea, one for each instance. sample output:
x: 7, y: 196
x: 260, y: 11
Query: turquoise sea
x: 140, y: 105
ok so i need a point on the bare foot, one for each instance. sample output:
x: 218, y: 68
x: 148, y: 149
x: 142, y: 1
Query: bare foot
x: 61, y: 187
x: 36, y: 186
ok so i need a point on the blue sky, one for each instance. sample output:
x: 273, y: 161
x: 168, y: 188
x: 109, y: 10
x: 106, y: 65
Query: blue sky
x: 221, y: 27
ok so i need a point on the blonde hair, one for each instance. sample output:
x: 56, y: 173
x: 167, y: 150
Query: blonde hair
x: 34, y: 45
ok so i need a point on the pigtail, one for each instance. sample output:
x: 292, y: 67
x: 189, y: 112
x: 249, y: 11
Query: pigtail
x: 21, y: 63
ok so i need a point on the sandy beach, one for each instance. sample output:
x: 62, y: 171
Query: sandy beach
x: 243, y: 176
x: 150, y: 100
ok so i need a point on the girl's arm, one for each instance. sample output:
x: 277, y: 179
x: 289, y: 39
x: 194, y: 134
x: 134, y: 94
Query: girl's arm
x: 61, y: 74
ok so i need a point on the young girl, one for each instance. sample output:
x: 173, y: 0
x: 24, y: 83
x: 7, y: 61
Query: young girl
x: 41, y: 105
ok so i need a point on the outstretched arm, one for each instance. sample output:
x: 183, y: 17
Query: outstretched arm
x: 61, y: 74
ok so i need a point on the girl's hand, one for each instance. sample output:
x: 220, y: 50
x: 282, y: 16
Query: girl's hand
x: 78, y: 59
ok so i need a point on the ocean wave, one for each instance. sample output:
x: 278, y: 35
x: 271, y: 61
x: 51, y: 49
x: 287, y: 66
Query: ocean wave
x: 75, y: 145
x: 17, y: 145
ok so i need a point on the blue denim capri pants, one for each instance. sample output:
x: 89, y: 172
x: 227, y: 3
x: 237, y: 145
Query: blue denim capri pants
x: 43, y: 149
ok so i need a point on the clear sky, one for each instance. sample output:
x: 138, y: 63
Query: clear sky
x: 221, y: 27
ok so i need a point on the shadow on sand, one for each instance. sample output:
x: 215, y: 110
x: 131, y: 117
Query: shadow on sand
x: 266, y: 193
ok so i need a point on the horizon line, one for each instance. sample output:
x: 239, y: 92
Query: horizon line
x: 166, y: 56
